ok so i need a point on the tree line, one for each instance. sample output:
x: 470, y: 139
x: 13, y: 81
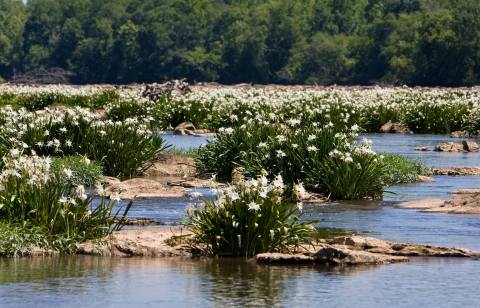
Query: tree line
x: 414, y: 42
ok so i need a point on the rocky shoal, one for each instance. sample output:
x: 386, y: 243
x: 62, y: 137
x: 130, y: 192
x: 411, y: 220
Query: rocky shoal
x: 344, y: 250
x: 463, y: 201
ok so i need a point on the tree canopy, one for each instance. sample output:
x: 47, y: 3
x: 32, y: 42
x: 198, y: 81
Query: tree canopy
x: 415, y: 42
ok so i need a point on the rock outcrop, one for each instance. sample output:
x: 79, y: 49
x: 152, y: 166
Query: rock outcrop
x: 140, y: 188
x: 395, y: 128
x: 343, y: 250
x: 145, y: 242
x: 458, y: 171
x: 357, y: 250
x: 464, y: 201
x: 465, y: 146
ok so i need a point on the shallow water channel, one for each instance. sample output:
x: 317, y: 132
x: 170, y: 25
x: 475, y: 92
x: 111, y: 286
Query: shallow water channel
x: 108, y: 282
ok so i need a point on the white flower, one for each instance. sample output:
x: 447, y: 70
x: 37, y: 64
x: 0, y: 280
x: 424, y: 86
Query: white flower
x: 234, y: 196
x: 312, y: 148
x: 81, y: 192
x: 281, y: 138
x: 68, y: 172
x: 280, y: 153
x: 63, y: 200
x: 252, y: 206
x: 278, y: 182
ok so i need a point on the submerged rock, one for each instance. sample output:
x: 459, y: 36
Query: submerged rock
x: 422, y: 149
x: 395, y: 128
x: 282, y: 258
x: 422, y: 204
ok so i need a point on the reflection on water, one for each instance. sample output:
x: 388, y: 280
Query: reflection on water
x: 133, y: 282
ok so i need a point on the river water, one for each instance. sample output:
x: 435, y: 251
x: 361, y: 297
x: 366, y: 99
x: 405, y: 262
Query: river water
x: 132, y: 282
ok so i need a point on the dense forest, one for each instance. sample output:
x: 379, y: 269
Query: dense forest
x: 421, y: 42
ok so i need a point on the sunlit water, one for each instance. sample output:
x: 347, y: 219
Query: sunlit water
x: 133, y: 282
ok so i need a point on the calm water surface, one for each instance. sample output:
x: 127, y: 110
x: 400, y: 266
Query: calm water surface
x: 133, y: 282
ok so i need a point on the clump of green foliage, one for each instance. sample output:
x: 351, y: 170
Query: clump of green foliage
x: 398, y: 169
x: 318, y: 155
x: 19, y: 239
x: 253, y: 217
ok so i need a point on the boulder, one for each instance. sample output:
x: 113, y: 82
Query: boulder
x: 459, y: 134
x: 395, y: 128
x: 188, y: 129
x: 143, y: 188
x: 465, y: 146
x: 470, y: 146
x: 449, y: 147
x: 184, y: 128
